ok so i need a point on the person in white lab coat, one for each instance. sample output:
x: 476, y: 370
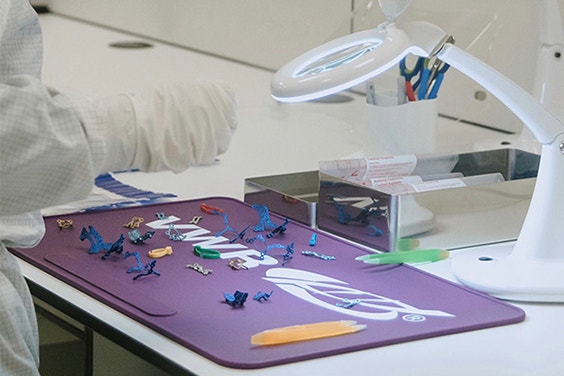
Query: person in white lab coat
x: 53, y: 145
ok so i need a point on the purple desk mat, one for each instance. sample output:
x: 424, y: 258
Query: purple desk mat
x: 397, y: 303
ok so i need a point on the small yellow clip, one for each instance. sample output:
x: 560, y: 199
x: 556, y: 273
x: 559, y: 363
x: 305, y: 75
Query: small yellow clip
x: 64, y: 223
x: 160, y: 252
x: 134, y: 223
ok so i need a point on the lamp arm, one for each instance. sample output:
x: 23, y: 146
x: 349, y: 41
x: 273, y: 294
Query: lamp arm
x: 539, y: 237
x: 544, y: 126
x: 534, y: 269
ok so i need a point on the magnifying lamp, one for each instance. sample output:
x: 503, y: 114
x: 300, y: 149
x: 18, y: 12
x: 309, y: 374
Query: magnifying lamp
x: 533, y: 270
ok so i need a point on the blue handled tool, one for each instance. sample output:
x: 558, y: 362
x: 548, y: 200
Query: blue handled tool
x: 409, y: 74
x: 436, y: 77
x: 436, y: 85
x: 423, y: 83
x: 425, y: 77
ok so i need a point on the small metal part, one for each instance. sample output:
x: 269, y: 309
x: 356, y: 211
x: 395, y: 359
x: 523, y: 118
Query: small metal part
x: 448, y: 39
x: 148, y: 270
x: 161, y: 215
x: 264, y: 218
x: 237, y: 300
x: 139, y: 267
x: 318, y: 255
x: 374, y: 231
x: 347, y: 303
x: 173, y: 234
x: 195, y: 220
x: 199, y: 268
x: 279, y: 230
x: 262, y: 296
x: 237, y: 264
x: 313, y: 240
x: 136, y: 237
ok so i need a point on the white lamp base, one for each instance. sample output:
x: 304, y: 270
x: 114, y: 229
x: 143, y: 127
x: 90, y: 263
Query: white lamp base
x: 496, y: 272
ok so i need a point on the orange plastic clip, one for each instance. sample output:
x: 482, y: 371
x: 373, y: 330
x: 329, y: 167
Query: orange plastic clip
x: 160, y: 252
x: 210, y: 209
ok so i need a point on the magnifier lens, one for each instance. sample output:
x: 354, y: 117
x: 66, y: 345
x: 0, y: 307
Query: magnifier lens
x: 338, y: 58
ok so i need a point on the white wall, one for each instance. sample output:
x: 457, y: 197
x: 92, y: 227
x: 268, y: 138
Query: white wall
x: 260, y: 32
x: 268, y: 33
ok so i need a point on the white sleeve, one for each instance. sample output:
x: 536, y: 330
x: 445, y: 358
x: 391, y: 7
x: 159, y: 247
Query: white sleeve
x: 47, y: 156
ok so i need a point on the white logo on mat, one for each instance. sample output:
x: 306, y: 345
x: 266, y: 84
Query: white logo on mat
x: 325, y: 292
x: 204, y: 238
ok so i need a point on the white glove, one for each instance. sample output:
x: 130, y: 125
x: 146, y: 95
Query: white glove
x: 168, y: 127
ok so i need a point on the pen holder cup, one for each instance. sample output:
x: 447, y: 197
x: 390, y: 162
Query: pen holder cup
x: 392, y: 129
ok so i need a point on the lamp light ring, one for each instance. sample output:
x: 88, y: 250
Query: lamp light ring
x: 353, y: 59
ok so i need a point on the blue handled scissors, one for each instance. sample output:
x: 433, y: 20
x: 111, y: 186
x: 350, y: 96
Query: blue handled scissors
x: 430, y: 72
x: 409, y: 74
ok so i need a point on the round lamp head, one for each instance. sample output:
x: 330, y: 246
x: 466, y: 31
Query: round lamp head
x: 348, y: 61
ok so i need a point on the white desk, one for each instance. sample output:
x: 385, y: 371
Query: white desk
x: 272, y: 139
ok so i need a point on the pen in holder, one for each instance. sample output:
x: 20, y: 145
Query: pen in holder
x: 396, y: 128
